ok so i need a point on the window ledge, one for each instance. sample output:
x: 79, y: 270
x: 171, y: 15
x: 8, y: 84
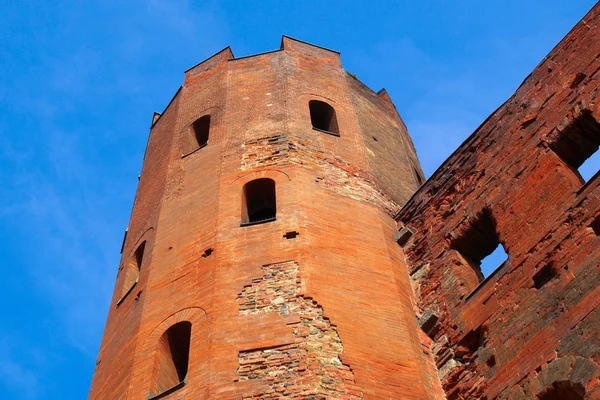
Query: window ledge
x: 258, y: 222
x: 327, y: 132
x: 166, y: 392
x: 590, y: 183
x: 127, y: 293
x: 195, y: 150
x: 486, y: 280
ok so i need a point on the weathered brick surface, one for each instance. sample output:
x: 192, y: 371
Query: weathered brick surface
x: 354, y: 286
x: 309, y: 367
x: 531, y: 329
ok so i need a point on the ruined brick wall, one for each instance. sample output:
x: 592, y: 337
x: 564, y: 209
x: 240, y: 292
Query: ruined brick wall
x: 530, y: 330
x: 318, y: 297
x: 308, y: 367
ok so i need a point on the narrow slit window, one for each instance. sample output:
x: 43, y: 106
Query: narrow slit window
x: 132, y: 270
x: 480, y: 246
x: 577, y: 145
x: 418, y: 177
x: 323, y: 118
x: 259, y: 203
x: 172, y: 358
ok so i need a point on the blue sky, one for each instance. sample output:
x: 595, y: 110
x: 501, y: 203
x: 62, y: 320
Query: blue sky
x: 79, y: 82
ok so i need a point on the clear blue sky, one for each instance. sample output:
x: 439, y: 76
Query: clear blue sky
x: 79, y: 82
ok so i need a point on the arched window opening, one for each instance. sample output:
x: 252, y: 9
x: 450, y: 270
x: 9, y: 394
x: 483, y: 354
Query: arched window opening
x: 259, y: 203
x: 132, y: 271
x: 196, y: 136
x: 564, y: 390
x: 200, y: 128
x: 172, y: 357
x: 322, y: 117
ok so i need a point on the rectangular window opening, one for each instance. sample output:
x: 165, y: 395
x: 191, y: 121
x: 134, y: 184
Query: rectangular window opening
x: 577, y: 145
x: 492, y: 262
x: 480, y: 246
x: 544, y: 275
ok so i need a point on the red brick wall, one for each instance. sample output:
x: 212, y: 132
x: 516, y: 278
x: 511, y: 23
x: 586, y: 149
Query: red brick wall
x: 512, y: 337
x: 352, y: 290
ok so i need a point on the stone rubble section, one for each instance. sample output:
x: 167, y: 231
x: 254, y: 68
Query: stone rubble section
x: 334, y: 173
x: 310, y: 368
x: 341, y: 177
x: 265, y: 151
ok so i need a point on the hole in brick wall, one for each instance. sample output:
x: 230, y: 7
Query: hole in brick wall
x: 172, y: 356
x: 207, y: 252
x: 291, y: 235
x: 591, y: 166
x: 258, y: 201
x: 596, y: 226
x: 375, y: 139
x: 322, y: 117
x: 132, y: 270
x: 491, y: 361
x: 564, y: 390
x: 544, y: 275
x: 480, y: 245
x: 577, y: 80
x: 492, y: 262
x: 469, y: 344
x: 577, y: 145
x: 403, y: 235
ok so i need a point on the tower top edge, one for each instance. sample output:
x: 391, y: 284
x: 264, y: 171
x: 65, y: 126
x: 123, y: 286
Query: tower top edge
x: 287, y: 42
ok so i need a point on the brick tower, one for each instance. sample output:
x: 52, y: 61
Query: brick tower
x: 260, y: 260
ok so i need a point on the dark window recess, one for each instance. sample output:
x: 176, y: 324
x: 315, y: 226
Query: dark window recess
x: 132, y: 270
x: 544, y: 275
x: 291, y: 235
x: 418, y: 177
x: 201, y: 128
x: 577, y: 145
x: 196, y: 136
x: 403, y: 235
x: 322, y: 117
x: 596, y: 226
x: 428, y: 322
x: 480, y: 245
x: 564, y: 390
x: 172, y: 356
x: 259, y: 203
x: 470, y: 344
